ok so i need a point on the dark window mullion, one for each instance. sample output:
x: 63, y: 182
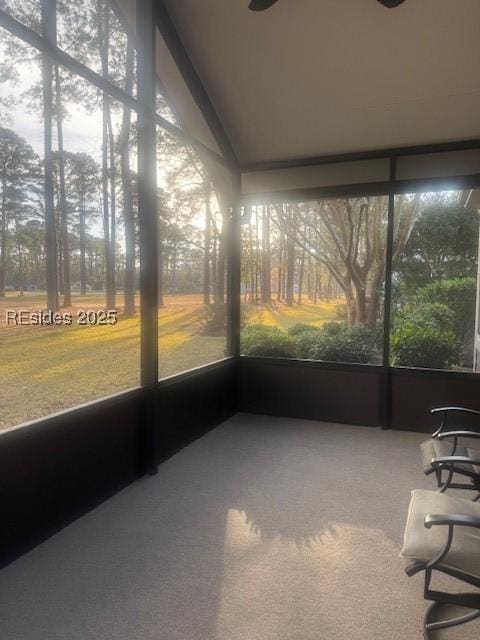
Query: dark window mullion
x: 147, y: 215
x: 147, y: 193
x: 385, y: 386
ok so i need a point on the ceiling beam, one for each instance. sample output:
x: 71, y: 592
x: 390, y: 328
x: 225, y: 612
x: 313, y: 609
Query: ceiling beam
x: 395, y: 152
x: 364, y: 189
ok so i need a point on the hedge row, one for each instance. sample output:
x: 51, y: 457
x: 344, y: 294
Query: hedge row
x: 334, y: 342
x: 431, y: 332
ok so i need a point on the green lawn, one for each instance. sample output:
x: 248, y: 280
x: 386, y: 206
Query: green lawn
x: 282, y: 316
x: 48, y: 369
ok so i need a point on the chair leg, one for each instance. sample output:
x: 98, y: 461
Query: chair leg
x: 442, y: 487
x: 445, y: 624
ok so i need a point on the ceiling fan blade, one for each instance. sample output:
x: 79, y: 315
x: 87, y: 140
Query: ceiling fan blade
x: 261, y: 5
x: 390, y: 4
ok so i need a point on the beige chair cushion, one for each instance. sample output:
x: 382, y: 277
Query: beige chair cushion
x: 422, y: 545
x: 434, y: 448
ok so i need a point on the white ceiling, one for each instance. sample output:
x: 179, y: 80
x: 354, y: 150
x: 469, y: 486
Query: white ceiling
x: 314, y: 77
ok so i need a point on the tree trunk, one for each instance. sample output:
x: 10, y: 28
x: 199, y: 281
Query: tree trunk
x: 300, y: 277
x: 250, y: 256
x: 128, y: 214
x: 290, y: 258
x: 206, y: 255
x: 59, y: 257
x: 361, y: 305
x: 309, y: 278
x: 374, y: 302
x: 113, y: 208
x: 161, y: 275
x: 48, y: 28
x: 219, y: 297
x: 173, y: 277
x: 217, y: 324
x: 83, y: 269
x: 103, y: 39
x: 21, y: 274
x: 3, y: 240
x: 266, y: 258
x: 301, y: 273
x: 65, y: 249
x: 106, y: 209
x: 214, y: 261
x: 280, y: 270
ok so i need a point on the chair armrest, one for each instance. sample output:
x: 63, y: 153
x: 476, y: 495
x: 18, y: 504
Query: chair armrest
x: 451, y: 520
x: 453, y: 460
x: 445, y: 411
x: 458, y: 434
x: 458, y: 409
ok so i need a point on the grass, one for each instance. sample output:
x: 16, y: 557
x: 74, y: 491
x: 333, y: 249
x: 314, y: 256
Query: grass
x: 283, y: 316
x: 48, y: 369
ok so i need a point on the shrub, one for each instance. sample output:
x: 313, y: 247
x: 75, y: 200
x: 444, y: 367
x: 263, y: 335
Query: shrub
x: 423, y: 346
x: 304, y: 342
x: 459, y: 295
x: 337, y: 342
x: 260, y: 340
x: 334, y: 328
x: 344, y: 347
x: 334, y: 342
x: 429, y: 314
x: 300, y: 328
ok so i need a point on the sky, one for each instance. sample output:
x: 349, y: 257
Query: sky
x: 82, y: 129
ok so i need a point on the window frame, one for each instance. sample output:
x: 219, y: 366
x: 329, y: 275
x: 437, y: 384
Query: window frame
x: 390, y: 188
x: 156, y: 16
x: 144, y: 104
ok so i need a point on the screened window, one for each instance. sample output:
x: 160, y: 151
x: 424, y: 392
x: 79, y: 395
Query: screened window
x: 28, y: 12
x: 435, y: 280
x: 193, y: 216
x: 69, y: 257
x: 312, y: 281
x: 100, y: 35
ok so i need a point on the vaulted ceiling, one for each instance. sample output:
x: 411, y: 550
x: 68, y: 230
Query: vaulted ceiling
x: 314, y: 77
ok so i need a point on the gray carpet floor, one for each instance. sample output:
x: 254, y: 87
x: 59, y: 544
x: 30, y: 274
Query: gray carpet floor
x: 264, y: 529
